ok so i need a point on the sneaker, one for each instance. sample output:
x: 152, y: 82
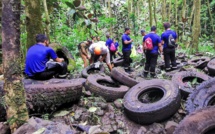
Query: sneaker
x: 62, y: 76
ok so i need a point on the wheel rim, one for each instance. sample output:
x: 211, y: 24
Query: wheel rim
x: 151, y: 95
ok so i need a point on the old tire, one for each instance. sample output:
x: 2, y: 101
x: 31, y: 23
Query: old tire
x: 199, y: 122
x: 211, y: 67
x: 111, y: 92
x: 50, y: 94
x: 146, y: 112
x: 200, y: 62
x: 182, y: 79
x: 91, y: 70
x: 120, y: 75
x: 63, y: 52
x: 204, y: 96
x: 118, y: 61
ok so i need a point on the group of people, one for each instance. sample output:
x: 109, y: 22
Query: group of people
x: 43, y: 63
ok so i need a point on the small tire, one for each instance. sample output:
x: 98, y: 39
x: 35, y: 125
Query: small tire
x: 203, y: 96
x: 63, y: 52
x: 200, y: 62
x: 118, y: 61
x: 199, y: 122
x: 211, y: 67
x: 143, y: 112
x: 50, y: 94
x: 109, y: 93
x: 90, y: 69
x: 120, y: 75
x: 179, y: 78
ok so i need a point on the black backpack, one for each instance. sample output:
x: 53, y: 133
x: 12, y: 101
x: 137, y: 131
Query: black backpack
x: 171, y: 42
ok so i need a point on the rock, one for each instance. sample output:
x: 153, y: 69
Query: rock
x: 87, y: 93
x: 111, y: 116
x: 43, y: 126
x: 180, y: 111
x: 170, y: 127
x: 142, y: 130
x: 118, y: 103
x: 4, y: 129
x: 110, y: 108
x: 103, y: 105
x: 157, y: 128
x: 78, y: 114
x: 100, y: 112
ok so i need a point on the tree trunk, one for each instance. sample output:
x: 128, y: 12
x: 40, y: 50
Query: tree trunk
x: 47, y: 19
x: 212, y: 21
x: 15, y: 101
x: 150, y: 13
x: 196, y: 25
x: 163, y: 10
x: 184, y: 9
x: 169, y: 13
x: 176, y: 14
x: 191, y: 15
x: 110, y: 15
x: 33, y: 20
x: 155, y: 12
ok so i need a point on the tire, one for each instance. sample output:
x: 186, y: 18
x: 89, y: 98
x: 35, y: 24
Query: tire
x: 188, y: 76
x: 50, y: 94
x: 149, y: 112
x: 63, y: 52
x: 200, y: 62
x: 211, y: 67
x: 199, y: 122
x: 109, y: 93
x: 120, y: 75
x: 118, y: 61
x: 203, y: 96
x: 2, y: 109
x: 91, y: 70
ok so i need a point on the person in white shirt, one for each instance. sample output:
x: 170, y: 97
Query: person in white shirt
x: 99, y: 51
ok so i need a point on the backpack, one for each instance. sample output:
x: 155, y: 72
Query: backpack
x: 148, y: 44
x: 171, y: 42
x: 112, y: 47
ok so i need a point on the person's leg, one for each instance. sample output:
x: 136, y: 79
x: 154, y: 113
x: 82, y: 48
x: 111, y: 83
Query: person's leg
x: 167, y: 59
x: 126, y: 56
x: 172, y: 58
x: 147, y: 65
x: 111, y: 56
x: 153, y: 63
x: 84, y: 58
x: 107, y: 60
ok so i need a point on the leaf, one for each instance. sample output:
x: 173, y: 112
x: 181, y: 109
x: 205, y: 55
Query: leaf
x: 92, y: 109
x: 70, y: 5
x: 81, y: 8
x: 71, y: 12
x: 61, y: 113
x: 90, y: 16
x: 40, y: 131
x: 77, y: 3
x: 94, y: 129
x: 194, y: 81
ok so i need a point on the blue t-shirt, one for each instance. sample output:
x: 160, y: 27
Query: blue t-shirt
x: 108, y: 42
x: 116, y: 45
x: 155, y: 40
x: 126, y: 47
x: 165, y: 36
x: 36, y: 59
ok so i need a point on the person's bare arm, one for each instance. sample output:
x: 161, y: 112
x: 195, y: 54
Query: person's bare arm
x: 143, y: 46
x: 162, y: 42
x: 128, y: 42
x: 59, y: 59
x: 103, y: 57
x: 160, y: 48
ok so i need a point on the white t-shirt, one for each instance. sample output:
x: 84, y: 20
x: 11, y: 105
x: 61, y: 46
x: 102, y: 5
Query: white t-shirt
x: 102, y: 45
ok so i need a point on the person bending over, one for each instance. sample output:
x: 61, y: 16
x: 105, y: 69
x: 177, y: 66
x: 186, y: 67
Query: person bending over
x: 38, y: 64
x: 99, y: 51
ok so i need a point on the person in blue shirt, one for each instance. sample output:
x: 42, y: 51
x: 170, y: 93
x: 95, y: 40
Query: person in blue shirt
x: 151, y: 55
x: 38, y: 66
x: 168, y: 52
x: 126, y: 49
